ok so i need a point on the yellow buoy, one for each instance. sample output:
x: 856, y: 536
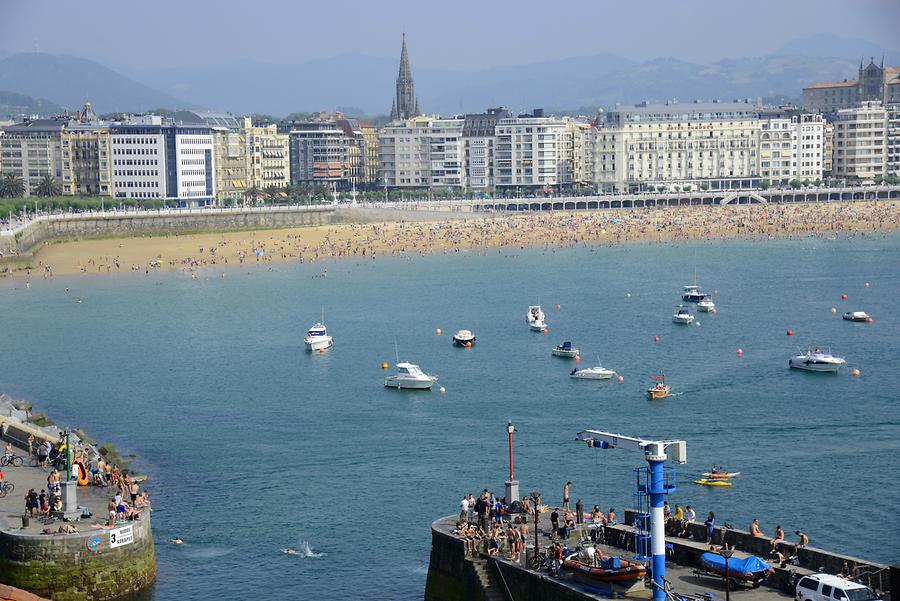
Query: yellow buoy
x: 384, y: 365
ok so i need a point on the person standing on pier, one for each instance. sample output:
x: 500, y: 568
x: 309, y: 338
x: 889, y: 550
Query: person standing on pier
x: 566, y: 496
x: 464, y: 510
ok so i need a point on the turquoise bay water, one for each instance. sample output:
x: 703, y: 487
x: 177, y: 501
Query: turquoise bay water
x: 254, y: 445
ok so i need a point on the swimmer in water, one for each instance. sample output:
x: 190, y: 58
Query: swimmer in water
x: 290, y: 551
x: 177, y: 541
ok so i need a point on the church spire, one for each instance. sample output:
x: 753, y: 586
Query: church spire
x: 405, y: 104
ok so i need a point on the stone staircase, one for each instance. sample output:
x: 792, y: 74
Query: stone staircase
x: 490, y: 581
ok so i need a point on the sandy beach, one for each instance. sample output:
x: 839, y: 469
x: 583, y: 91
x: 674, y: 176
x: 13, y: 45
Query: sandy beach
x: 369, y: 241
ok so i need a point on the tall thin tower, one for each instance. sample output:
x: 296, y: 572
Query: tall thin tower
x: 405, y: 103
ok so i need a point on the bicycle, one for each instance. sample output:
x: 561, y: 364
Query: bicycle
x: 541, y: 561
x: 13, y: 460
x: 6, y: 488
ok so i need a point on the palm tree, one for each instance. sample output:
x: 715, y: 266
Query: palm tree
x: 11, y: 186
x: 47, y: 187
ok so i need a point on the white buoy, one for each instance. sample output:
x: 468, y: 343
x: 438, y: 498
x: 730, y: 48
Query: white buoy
x: 628, y: 295
x: 442, y: 389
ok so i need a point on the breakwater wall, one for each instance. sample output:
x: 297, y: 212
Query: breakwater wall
x: 113, y: 224
x: 94, y: 565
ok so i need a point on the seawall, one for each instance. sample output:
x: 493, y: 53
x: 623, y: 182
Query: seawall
x: 64, y: 567
x: 29, y: 237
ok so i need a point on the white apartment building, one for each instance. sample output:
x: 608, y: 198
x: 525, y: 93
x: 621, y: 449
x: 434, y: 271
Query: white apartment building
x: 709, y: 145
x: 533, y: 152
x: 892, y: 167
x: 860, y: 142
x: 479, y: 161
x: 156, y: 160
x: 422, y: 152
x: 792, y: 148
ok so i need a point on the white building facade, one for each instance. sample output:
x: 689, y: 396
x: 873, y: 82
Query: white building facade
x: 423, y: 152
x: 792, y: 148
x: 154, y: 160
x: 860, y: 142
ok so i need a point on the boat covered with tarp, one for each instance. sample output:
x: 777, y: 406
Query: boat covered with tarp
x: 610, y: 569
x: 751, y: 570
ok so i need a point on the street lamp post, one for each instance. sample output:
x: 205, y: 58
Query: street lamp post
x: 727, y: 553
x: 512, y: 485
x: 536, y: 497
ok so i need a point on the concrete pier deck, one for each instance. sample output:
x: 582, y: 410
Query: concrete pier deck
x: 12, y: 506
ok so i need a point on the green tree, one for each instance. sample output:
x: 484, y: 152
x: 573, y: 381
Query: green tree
x: 48, y: 187
x: 251, y: 194
x: 11, y: 186
x: 704, y: 186
x: 765, y: 184
x: 796, y: 184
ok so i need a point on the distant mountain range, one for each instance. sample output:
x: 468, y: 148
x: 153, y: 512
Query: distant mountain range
x: 367, y: 82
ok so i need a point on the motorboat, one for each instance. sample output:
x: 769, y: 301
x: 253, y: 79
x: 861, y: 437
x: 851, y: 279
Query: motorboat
x: 815, y: 359
x: 565, y: 350
x: 585, y: 569
x: 593, y: 373
x: 410, y: 376
x: 693, y: 294
x: 660, y: 390
x: 535, y: 318
x: 706, y: 305
x: 750, y: 571
x: 317, y: 338
x: 464, y: 338
x: 721, y: 475
x: 682, y: 316
x: 856, y: 316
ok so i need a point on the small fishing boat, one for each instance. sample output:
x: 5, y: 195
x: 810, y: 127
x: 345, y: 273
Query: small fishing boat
x: 611, y: 569
x: 682, y: 316
x: 706, y: 305
x: 693, y: 294
x: 593, y: 373
x: 815, y: 359
x: 411, y: 377
x: 464, y: 338
x: 317, y: 338
x: 713, y: 482
x: 749, y: 571
x: 660, y: 390
x: 565, y: 350
x: 856, y: 316
x: 535, y: 318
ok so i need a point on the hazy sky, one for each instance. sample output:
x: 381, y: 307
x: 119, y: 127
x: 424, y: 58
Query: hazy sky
x: 461, y: 34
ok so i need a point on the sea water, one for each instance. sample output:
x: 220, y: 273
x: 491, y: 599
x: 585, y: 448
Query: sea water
x: 254, y: 445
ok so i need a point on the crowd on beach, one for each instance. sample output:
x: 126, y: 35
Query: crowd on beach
x: 502, y: 230
x: 126, y: 500
x: 490, y: 524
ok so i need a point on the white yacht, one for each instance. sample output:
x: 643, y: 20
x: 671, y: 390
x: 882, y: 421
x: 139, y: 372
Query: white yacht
x: 693, y: 294
x: 317, y: 338
x: 682, y: 315
x: 535, y: 318
x: 593, y: 373
x: 464, y: 338
x: 565, y: 350
x: 706, y: 305
x: 856, y: 316
x: 815, y: 359
x: 410, y: 376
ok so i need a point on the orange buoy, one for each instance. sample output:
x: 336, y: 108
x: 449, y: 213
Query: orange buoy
x: 577, y: 358
x: 557, y: 306
x: 715, y: 290
x: 869, y: 320
x: 843, y: 297
x: 740, y: 352
x: 546, y: 331
x: 713, y: 311
x: 469, y: 343
x: 854, y: 373
x: 656, y: 339
x: 790, y: 332
x: 620, y: 379
x: 437, y: 332
x: 321, y: 350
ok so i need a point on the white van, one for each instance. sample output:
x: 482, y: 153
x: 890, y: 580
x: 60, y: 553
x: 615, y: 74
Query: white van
x: 827, y: 587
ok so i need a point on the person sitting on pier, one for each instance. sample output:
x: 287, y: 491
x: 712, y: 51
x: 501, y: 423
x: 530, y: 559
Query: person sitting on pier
x: 611, y: 517
x: 754, y: 528
x: 597, y: 516
x: 677, y: 521
x: 804, y: 539
x: 779, y: 538
x: 689, y: 518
